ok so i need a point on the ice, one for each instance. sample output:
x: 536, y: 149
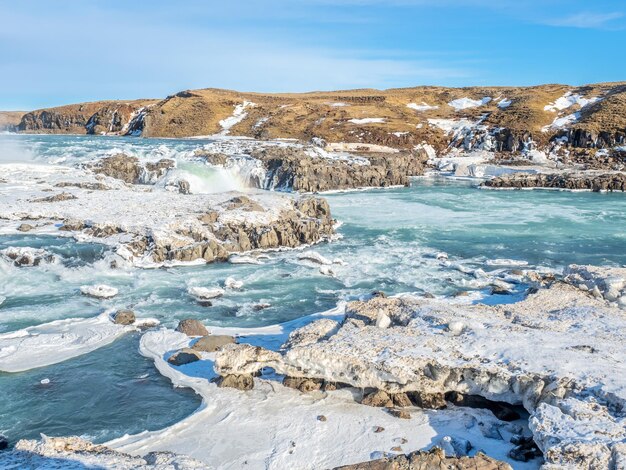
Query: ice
x: 57, y: 341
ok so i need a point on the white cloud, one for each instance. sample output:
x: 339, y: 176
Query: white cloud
x: 586, y: 20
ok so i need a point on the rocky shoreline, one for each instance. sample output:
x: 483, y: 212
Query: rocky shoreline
x: 408, y: 351
x: 588, y: 181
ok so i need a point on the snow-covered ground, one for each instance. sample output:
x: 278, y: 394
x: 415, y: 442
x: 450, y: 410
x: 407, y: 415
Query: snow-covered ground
x: 276, y: 427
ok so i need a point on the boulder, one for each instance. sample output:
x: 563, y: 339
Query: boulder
x: 124, y: 317
x: 399, y: 413
x: 430, y: 401
x: 25, y: 228
x: 212, y: 343
x: 192, y: 327
x: 99, y: 291
x: 4, y: 442
x: 184, y: 356
x: 378, y: 398
x: 241, y: 382
x: 303, y: 384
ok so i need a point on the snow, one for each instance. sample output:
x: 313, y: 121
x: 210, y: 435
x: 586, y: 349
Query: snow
x: 421, y: 107
x: 466, y: 103
x: 239, y: 114
x: 367, y: 120
x: 504, y: 103
x: 99, y: 291
x: 274, y: 427
x: 569, y: 99
x: 57, y: 341
x: 314, y: 257
x: 338, y: 105
x: 358, y: 147
x: 205, y: 293
x: 562, y: 122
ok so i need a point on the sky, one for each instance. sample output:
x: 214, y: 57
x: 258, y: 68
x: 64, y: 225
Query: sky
x: 59, y: 52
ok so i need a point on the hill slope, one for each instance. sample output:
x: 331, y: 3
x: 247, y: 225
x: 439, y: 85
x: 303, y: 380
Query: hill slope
x: 502, y: 119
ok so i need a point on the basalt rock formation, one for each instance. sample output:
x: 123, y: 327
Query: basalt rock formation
x: 570, y: 181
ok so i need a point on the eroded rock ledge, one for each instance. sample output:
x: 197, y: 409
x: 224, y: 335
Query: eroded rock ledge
x: 306, y: 168
x: 570, y: 181
x: 558, y: 353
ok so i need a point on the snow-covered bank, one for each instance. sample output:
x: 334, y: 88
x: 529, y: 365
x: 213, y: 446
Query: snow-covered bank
x: 559, y: 353
x: 58, y: 341
x: 151, y: 225
x: 276, y: 427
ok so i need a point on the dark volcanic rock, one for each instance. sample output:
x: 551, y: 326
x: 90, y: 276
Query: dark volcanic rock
x: 294, y: 169
x: 184, y: 356
x: 130, y: 170
x: 572, y: 181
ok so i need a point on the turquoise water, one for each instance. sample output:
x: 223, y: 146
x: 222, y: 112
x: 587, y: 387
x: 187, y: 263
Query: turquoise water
x: 389, y: 239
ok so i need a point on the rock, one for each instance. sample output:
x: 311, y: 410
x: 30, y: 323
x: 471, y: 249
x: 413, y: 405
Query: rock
x: 379, y: 293
x: 321, y: 418
x: 378, y: 398
x: 303, y: 384
x: 124, y: 317
x: 212, y: 343
x: 401, y: 400
x: 129, y: 170
x: 525, y: 449
x: 4, y: 442
x: 184, y: 187
x: 99, y: 291
x: 434, y: 459
x: 398, y: 413
x: 241, y: 382
x: 572, y: 181
x: 26, y: 256
x: 396, y: 449
x: 25, y: 228
x: 56, y: 198
x: 502, y: 411
x: 243, y: 203
x: 378, y: 429
x: 428, y: 401
x: 184, y: 356
x: 192, y: 327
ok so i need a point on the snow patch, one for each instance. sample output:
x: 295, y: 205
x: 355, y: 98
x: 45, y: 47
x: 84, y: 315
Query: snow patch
x: 466, y: 103
x: 421, y: 107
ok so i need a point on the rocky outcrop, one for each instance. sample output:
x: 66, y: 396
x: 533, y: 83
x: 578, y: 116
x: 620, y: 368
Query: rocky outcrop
x: 551, y: 353
x: 434, y: 459
x: 570, y: 181
x: 184, y: 356
x: 102, y: 117
x: 130, y: 170
x: 192, y: 327
x: 293, y: 168
x: 124, y: 317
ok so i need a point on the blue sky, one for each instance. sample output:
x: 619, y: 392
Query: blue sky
x: 57, y: 52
